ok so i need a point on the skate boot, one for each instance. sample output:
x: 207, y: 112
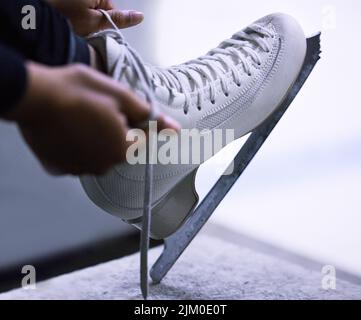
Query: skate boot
x: 236, y: 86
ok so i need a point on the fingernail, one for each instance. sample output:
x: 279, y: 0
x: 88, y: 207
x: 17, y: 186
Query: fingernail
x: 171, y: 123
x: 137, y: 16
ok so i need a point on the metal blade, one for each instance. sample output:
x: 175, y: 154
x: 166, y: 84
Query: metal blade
x: 178, y: 242
x: 146, y: 222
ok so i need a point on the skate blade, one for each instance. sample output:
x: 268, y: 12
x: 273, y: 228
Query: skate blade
x: 176, y: 244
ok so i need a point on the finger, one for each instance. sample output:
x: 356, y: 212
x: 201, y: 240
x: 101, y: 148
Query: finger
x: 138, y: 112
x: 117, y: 147
x: 51, y: 169
x: 105, y: 5
x: 126, y: 18
x: 165, y: 122
x: 122, y: 18
x: 135, y: 109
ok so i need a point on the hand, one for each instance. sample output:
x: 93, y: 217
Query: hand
x: 86, y: 19
x: 76, y: 119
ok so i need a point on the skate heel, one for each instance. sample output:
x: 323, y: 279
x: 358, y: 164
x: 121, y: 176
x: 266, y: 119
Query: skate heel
x: 173, y: 210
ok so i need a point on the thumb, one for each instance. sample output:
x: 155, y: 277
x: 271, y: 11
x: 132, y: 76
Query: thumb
x: 125, y: 18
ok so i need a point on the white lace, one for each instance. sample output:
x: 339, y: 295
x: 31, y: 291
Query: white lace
x: 131, y: 61
x: 230, y: 54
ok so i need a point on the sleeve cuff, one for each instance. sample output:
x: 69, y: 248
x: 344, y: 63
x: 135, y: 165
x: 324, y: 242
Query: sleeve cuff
x: 78, y: 50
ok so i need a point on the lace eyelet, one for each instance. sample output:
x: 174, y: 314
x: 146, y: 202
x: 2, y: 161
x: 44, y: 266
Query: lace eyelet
x: 250, y: 74
x: 213, y: 101
x: 226, y: 94
x: 199, y: 108
x: 238, y: 85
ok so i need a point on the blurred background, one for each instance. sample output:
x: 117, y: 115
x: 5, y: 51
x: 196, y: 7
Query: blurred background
x: 301, y: 193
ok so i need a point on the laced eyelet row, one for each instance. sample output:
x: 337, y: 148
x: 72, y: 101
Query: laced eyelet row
x: 210, y: 64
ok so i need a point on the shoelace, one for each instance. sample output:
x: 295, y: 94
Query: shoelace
x: 229, y: 54
x: 239, y: 47
x: 131, y: 59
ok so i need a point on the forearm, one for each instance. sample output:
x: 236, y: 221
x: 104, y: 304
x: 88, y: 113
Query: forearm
x: 52, y: 42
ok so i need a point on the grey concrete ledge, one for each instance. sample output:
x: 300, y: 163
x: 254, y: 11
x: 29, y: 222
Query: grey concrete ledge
x: 210, y: 269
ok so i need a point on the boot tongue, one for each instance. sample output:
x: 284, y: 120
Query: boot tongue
x: 114, y: 52
x: 108, y: 49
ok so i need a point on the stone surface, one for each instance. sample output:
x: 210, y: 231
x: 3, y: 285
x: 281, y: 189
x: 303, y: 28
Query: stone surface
x: 211, y: 268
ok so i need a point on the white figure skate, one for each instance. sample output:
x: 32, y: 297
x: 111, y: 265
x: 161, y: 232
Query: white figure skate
x: 246, y: 84
x: 236, y: 86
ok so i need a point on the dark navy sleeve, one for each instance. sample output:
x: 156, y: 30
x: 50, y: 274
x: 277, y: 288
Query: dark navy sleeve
x: 13, y: 78
x: 51, y: 42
